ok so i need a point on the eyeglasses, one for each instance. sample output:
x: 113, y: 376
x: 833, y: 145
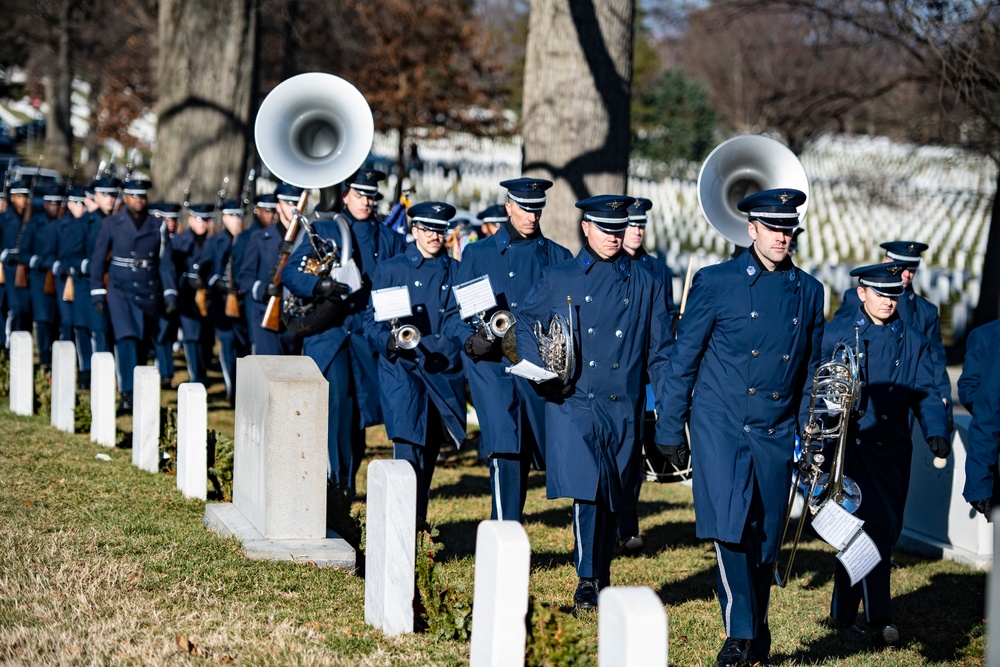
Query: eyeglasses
x: 429, y: 232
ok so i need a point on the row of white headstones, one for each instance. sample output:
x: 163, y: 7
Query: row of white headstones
x: 632, y: 626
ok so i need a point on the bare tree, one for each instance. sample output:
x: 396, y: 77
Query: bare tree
x: 577, y: 92
x: 954, y: 48
x: 206, y: 58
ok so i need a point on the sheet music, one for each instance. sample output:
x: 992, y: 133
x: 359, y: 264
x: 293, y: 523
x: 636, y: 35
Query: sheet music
x: 391, y: 302
x: 348, y: 274
x: 860, y: 557
x: 836, y: 525
x: 474, y: 296
x: 528, y: 370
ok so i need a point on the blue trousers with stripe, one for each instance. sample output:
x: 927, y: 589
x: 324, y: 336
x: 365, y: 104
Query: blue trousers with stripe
x: 744, y: 582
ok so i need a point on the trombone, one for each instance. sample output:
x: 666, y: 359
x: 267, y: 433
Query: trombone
x: 836, y: 385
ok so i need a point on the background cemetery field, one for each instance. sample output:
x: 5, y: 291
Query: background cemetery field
x: 101, y: 563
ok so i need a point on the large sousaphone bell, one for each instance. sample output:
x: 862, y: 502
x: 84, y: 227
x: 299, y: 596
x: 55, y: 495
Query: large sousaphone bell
x: 742, y: 166
x: 314, y: 130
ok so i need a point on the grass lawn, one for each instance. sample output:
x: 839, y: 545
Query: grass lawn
x: 101, y: 563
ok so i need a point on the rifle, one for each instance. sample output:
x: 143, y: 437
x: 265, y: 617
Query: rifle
x: 201, y: 296
x: 129, y: 169
x: 3, y: 209
x: 50, y: 278
x: 69, y: 186
x: 272, y: 316
x: 21, y: 273
x: 6, y: 191
x: 233, y: 297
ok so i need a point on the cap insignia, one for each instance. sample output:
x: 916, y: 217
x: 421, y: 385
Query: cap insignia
x: 895, y: 269
x: 784, y: 197
x: 615, y: 205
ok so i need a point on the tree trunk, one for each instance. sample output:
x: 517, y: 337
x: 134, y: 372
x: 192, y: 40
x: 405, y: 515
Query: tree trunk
x: 58, y: 89
x: 577, y: 90
x: 988, y: 308
x: 207, y: 55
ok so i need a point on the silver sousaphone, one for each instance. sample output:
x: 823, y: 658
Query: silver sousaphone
x: 742, y: 166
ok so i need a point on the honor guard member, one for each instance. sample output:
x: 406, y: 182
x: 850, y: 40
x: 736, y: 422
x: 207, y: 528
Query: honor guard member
x: 139, y: 279
x: 255, y: 275
x: 12, y: 224
x: 511, y: 413
x: 221, y: 260
x: 74, y: 313
x: 422, y: 387
x: 38, y: 252
x: 190, y: 260
x: 103, y: 193
x: 914, y: 309
x: 593, y: 423
x: 342, y: 351
x: 897, y: 376
x: 167, y: 325
x: 492, y: 217
x: 740, y: 374
x: 629, y: 539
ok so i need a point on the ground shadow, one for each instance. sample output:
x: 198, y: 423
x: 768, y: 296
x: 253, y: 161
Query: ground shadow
x: 696, y: 586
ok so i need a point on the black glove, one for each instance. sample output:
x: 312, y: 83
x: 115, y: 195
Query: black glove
x: 100, y: 307
x: 195, y: 282
x: 478, y: 345
x: 222, y: 286
x: 984, y: 507
x: 169, y: 308
x: 329, y: 287
x: 940, y: 446
x: 676, y: 455
x: 285, y: 247
x: 391, y: 347
x: 272, y: 289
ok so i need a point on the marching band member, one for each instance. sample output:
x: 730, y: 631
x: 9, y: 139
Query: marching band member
x: 739, y: 375
x: 220, y: 258
x: 492, y: 217
x: 511, y: 414
x: 980, y: 346
x: 629, y: 539
x: 592, y: 425
x: 342, y: 352
x: 139, y: 278
x: 259, y: 260
x: 38, y: 252
x: 190, y: 255
x: 422, y: 389
x: 897, y: 374
x: 915, y: 310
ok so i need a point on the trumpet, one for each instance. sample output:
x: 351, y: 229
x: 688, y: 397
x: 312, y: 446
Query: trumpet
x: 407, y: 336
x: 498, y: 325
x: 836, y: 385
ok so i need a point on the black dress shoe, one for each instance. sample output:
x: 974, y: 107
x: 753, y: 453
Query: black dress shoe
x: 126, y: 406
x: 887, y: 635
x: 586, y: 594
x: 734, y: 653
x: 756, y: 660
x: 83, y: 380
x: 632, y: 546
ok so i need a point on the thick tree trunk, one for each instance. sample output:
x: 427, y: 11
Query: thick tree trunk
x: 207, y: 55
x: 58, y: 88
x: 577, y: 90
x: 988, y: 308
